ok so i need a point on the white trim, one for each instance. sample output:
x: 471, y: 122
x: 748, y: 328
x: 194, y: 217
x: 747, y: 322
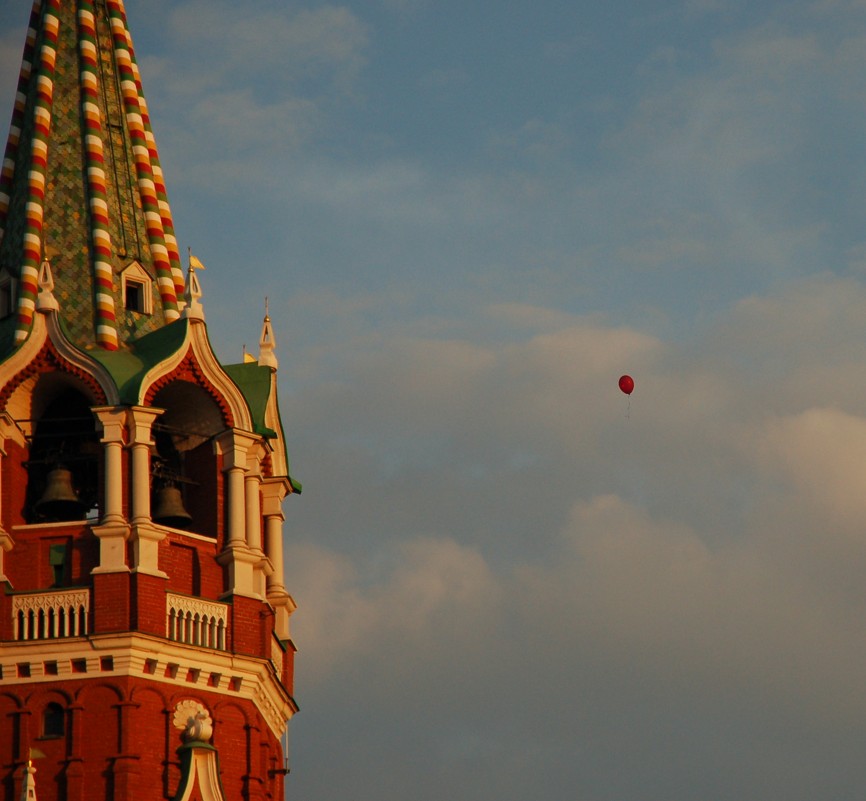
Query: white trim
x: 135, y: 275
x: 197, y: 341
x: 250, y: 678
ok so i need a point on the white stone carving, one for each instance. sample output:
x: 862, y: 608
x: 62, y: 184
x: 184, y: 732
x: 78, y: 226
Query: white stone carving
x: 194, y: 720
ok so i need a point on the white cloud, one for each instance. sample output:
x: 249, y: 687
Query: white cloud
x: 428, y: 592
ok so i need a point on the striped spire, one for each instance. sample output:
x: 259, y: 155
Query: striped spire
x: 81, y: 182
x: 36, y: 177
x: 94, y: 161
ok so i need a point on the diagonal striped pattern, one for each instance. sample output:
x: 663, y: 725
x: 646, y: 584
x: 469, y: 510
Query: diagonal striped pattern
x: 141, y: 155
x: 32, y: 251
x: 94, y: 160
x: 158, y: 180
x: 81, y: 181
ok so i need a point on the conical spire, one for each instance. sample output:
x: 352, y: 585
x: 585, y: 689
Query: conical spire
x: 267, y: 343
x: 81, y: 182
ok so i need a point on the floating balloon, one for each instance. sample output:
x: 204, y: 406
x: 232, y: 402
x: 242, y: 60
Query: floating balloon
x: 626, y: 384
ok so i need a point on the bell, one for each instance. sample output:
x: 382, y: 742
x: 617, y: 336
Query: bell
x: 60, y: 501
x: 168, y: 508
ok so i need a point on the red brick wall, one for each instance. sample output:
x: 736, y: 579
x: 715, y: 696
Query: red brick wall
x: 148, y: 613
x: 111, y: 603
x: 191, y: 566
x: 247, y: 627
x: 27, y: 565
x: 121, y: 740
x: 14, y: 489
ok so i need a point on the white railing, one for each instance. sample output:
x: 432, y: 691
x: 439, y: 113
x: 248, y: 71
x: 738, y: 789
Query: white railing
x: 194, y: 621
x: 48, y: 615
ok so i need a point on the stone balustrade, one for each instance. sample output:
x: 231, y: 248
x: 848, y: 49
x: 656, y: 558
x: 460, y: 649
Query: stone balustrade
x: 51, y: 614
x: 194, y: 621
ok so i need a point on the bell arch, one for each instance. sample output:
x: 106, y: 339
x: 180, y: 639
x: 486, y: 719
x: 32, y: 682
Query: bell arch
x: 63, y: 461
x: 184, y: 469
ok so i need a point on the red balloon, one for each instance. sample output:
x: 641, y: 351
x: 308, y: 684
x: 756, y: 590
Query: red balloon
x: 626, y: 384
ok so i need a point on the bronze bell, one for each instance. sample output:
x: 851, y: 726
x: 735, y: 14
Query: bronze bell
x: 168, y: 508
x: 60, y: 501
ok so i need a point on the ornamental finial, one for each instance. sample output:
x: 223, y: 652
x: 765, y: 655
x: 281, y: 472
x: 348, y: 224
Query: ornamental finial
x: 192, y: 294
x: 267, y: 343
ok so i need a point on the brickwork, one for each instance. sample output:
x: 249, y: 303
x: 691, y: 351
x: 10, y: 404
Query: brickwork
x: 149, y: 604
x: 13, y: 491
x: 119, y: 734
x: 111, y: 602
x: 191, y: 566
x: 251, y: 626
x: 34, y: 571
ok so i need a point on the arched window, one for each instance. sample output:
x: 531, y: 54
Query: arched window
x: 53, y: 721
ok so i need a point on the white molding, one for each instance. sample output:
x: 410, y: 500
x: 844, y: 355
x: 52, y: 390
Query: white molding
x: 134, y: 273
x: 249, y: 678
x: 80, y: 359
x: 197, y: 341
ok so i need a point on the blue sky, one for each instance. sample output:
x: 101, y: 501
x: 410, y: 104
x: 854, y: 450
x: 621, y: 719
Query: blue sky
x: 470, y: 219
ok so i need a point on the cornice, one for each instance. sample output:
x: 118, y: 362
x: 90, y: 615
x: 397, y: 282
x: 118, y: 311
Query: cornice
x: 152, y: 659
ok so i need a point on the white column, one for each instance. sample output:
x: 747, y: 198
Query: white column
x: 236, y: 512
x: 141, y: 422
x: 145, y: 535
x: 111, y: 420
x: 235, y: 446
x: 112, y: 530
x: 252, y: 481
x: 274, y: 490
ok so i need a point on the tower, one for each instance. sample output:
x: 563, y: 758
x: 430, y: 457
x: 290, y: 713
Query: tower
x: 144, y: 624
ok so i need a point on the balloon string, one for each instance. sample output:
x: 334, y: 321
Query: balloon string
x: 628, y: 409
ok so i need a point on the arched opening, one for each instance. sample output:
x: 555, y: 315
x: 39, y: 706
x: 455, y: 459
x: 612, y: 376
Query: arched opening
x: 63, y: 463
x: 53, y: 721
x: 184, y: 465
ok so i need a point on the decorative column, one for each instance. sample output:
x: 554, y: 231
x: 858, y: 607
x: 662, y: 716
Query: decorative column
x: 145, y: 535
x: 253, y: 505
x: 235, y: 446
x: 75, y: 761
x: 252, y: 487
x: 273, y: 492
x: 112, y: 530
x: 125, y: 766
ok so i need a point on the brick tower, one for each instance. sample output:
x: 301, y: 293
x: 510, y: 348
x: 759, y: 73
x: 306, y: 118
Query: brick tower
x: 144, y: 623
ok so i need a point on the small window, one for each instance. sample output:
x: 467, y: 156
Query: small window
x: 134, y: 295
x: 57, y: 559
x: 53, y: 721
x: 137, y: 289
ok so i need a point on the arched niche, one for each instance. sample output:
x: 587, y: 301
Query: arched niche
x: 53, y: 722
x: 63, y: 462
x: 184, y: 458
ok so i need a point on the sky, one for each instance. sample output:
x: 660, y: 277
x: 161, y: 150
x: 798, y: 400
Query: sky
x: 469, y: 219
